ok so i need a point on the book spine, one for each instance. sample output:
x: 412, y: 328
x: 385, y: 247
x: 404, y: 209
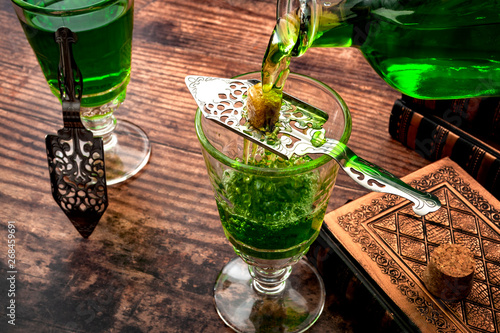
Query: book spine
x: 433, y: 141
x: 478, y: 116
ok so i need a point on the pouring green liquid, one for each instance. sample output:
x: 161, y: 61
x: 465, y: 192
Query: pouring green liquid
x: 428, y: 49
x: 267, y: 217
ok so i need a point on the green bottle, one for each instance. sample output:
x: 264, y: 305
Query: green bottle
x: 429, y: 49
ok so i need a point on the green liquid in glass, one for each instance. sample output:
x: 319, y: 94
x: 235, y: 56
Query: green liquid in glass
x: 102, y: 52
x: 270, y: 217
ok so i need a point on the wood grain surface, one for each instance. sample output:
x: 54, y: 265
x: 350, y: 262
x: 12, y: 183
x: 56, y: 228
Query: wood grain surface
x: 151, y: 263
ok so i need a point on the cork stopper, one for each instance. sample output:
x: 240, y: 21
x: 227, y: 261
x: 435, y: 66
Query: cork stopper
x: 450, y: 272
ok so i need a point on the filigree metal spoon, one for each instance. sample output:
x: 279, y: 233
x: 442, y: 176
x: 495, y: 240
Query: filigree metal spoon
x: 76, y: 158
x: 300, y: 133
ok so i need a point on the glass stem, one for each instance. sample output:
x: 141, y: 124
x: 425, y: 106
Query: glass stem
x: 100, y: 123
x: 269, y: 281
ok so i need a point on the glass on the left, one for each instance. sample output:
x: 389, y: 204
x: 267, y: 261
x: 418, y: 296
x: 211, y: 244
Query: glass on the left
x: 103, y: 53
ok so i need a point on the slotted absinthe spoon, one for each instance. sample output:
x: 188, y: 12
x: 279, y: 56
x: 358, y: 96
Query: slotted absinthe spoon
x: 75, y: 156
x: 223, y: 101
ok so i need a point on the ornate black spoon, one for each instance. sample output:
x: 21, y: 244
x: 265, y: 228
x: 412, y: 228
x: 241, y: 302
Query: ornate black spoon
x: 76, y: 158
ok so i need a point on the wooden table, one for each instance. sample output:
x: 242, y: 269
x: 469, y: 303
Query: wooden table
x: 151, y: 263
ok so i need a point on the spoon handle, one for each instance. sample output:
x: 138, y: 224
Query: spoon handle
x: 374, y: 178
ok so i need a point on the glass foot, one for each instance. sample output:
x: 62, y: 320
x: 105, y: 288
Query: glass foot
x: 244, y: 310
x: 126, y: 153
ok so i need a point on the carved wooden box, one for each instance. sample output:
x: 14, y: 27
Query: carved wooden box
x: 393, y: 244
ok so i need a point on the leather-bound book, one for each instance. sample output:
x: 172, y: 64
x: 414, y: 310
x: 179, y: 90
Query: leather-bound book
x: 434, y: 138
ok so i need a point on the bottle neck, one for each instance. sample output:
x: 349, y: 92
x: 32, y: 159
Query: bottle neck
x: 305, y: 12
x: 326, y: 23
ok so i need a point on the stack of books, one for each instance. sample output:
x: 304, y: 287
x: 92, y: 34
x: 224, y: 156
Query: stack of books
x: 465, y: 130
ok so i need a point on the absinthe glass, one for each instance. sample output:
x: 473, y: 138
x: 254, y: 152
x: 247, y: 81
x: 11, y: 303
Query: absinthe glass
x: 271, y: 211
x: 103, y: 54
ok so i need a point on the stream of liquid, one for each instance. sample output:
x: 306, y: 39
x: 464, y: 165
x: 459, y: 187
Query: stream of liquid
x: 276, y: 63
